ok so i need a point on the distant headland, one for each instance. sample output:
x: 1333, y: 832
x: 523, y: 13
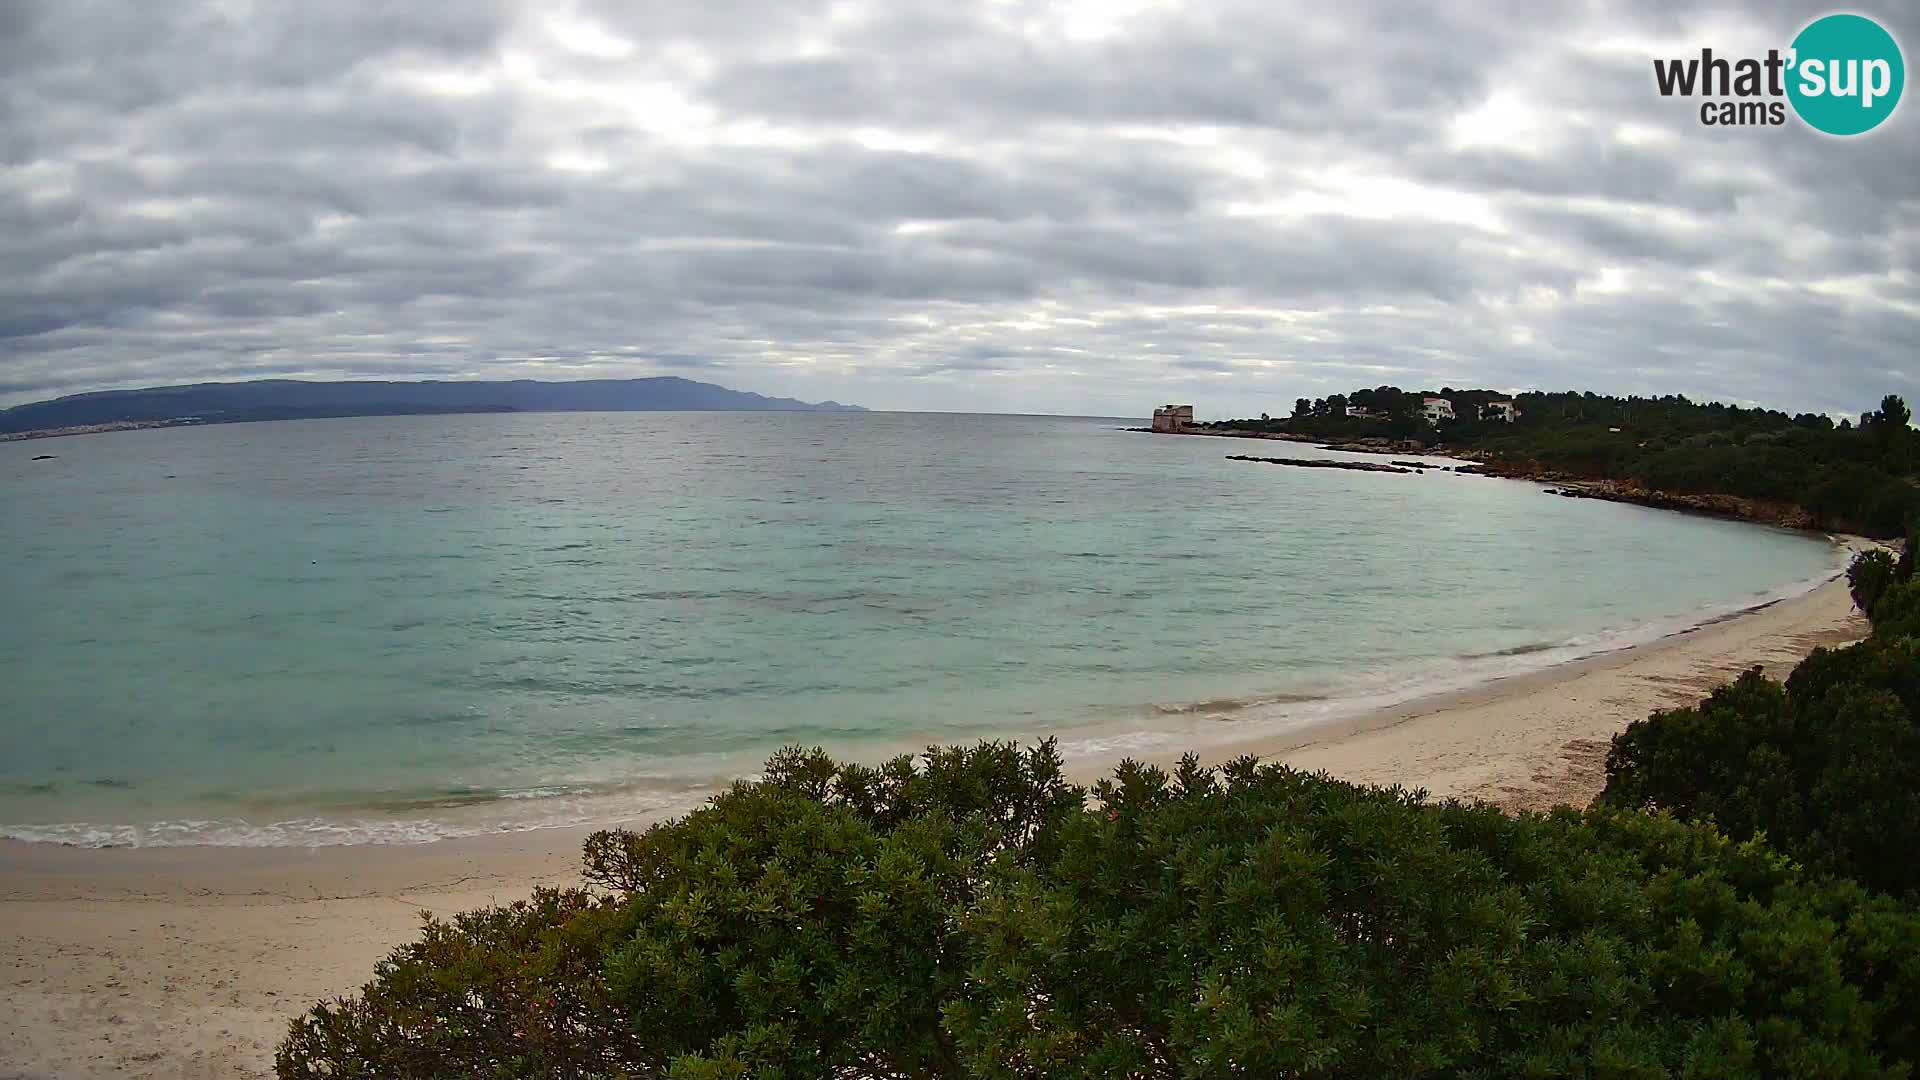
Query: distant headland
x: 292, y: 399
x: 1800, y: 470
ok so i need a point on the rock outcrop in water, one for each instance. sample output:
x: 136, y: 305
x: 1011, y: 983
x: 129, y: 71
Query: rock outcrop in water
x: 1318, y: 463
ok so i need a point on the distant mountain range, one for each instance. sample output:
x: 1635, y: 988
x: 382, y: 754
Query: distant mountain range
x: 290, y: 399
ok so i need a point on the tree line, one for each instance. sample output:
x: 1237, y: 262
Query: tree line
x: 1854, y: 476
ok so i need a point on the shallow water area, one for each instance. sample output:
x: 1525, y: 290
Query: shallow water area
x: 400, y: 628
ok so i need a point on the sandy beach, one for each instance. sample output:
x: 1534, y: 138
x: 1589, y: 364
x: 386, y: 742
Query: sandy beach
x: 175, y: 962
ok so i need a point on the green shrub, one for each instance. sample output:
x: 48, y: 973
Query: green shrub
x: 1827, y: 766
x: 976, y: 916
x: 1897, y: 612
x: 803, y: 923
x: 1869, y: 576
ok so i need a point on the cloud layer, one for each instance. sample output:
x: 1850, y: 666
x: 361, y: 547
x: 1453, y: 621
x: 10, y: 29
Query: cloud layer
x: 1051, y: 207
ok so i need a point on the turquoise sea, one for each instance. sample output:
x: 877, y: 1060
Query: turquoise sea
x: 400, y: 628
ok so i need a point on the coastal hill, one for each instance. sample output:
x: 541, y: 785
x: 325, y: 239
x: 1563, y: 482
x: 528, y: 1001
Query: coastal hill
x: 1802, y: 470
x: 287, y: 399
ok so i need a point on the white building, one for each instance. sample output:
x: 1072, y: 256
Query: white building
x: 1504, y: 411
x: 1436, y: 409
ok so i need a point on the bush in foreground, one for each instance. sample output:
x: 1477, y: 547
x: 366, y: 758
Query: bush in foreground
x: 976, y: 916
x: 1869, y: 576
x: 1897, y: 613
x: 1826, y: 766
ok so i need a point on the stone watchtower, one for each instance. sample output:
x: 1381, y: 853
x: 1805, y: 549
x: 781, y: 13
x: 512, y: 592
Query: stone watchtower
x: 1173, y: 418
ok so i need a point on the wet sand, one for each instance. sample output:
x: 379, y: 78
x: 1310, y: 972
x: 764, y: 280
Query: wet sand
x: 174, y: 962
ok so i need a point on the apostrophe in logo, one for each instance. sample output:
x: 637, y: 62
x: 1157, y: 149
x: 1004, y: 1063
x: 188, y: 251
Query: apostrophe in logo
x: 1847, y: 74
x: 1842, y: 74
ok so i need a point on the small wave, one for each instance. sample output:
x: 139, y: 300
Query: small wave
x: 435, y: 719
x: 532, y: 809
x: 451, y: 799
x: 1518, y: 650
x: 1230, y: 705
x: 1283, y: 714
x: 309, y: 832
x: 422, y: 816
x: 1117, y: 743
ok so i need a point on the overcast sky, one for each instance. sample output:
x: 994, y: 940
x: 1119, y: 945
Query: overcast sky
x: 930, y: 204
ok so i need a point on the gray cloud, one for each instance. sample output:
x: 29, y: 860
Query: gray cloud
x: 1044, y: 206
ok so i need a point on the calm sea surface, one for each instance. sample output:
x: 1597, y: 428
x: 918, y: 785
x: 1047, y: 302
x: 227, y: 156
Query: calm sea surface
x: 399, y: 628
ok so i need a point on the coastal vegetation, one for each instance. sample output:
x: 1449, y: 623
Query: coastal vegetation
x: 973, y: 914
x: 1850, y: 476
x: 1825, y: 766
x: 1739, y: 902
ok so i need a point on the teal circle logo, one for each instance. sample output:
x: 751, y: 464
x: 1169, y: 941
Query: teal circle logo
x: 1846, y: 74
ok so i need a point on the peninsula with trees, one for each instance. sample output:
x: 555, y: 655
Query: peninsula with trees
x: 1800, y: 470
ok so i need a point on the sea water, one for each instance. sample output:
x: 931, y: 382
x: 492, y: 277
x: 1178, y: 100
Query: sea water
x: 400, y: 628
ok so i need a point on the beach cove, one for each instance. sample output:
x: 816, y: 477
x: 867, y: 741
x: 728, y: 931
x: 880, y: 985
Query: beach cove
x: 402, y: 629
x: 317, y: 678
x: 164, y: 962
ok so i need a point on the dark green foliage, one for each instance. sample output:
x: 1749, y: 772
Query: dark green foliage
x: 1894, y: 413
x: 513, y: 991
x: 1897, y: 612
x: 978, y: 917
x: 1856, y: 480
x: 1826, y: 766
x: 1727, y: 758
x: 802, y: 924
x: 1869, y: 576
x: 1271, y: 923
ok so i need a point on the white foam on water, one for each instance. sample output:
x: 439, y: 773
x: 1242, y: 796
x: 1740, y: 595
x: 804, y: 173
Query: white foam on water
x: 1189, y: 725
x: 1287, y: 714
x: 520, y: 811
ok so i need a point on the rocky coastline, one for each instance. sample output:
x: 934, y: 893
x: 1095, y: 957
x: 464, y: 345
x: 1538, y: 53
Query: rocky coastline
x: 1759, y: 511
x: 1323, y: 463
x: 1566, y: 485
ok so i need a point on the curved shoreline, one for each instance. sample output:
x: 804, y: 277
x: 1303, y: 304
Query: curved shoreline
x: 1271, y: 728
x: 161, y: 962
x: 1539, y: 739
x: 1266, y: 721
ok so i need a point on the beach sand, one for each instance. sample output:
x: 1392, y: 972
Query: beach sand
x: 188, y: 962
